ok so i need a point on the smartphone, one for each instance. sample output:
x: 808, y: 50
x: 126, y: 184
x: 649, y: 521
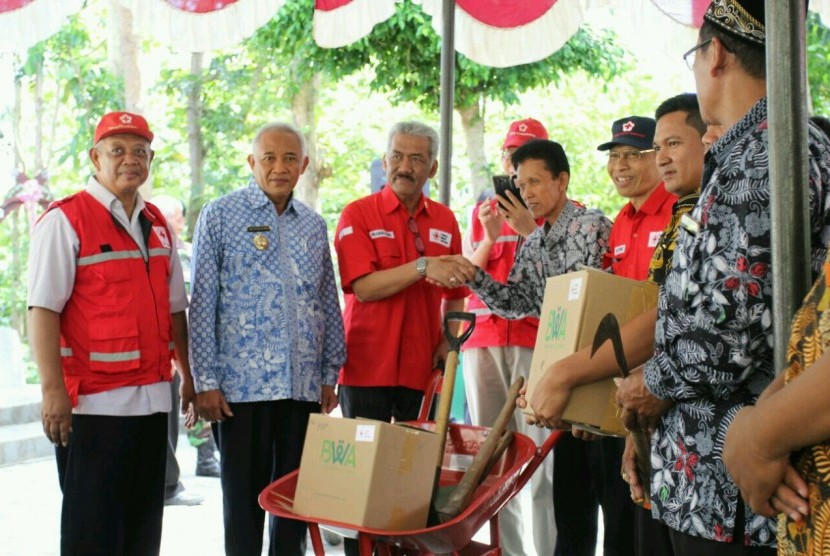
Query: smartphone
x: 502, y: 184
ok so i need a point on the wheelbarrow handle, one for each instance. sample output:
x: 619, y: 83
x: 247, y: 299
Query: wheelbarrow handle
x: 456, y: 341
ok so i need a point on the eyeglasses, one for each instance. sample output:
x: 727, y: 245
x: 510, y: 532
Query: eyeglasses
x: 628, y: 156
x: 507, y: 153
x: 419, y: 243
x: 689, y: 56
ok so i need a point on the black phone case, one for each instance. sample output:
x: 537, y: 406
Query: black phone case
x: 501, y: 184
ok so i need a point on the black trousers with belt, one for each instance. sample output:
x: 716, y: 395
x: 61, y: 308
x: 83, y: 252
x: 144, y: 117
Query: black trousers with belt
x: 261, y: 442
x: 112, y: 478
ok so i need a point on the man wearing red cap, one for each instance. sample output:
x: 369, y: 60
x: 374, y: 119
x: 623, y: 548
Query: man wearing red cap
x: 107, y: 314
x: 500, y: 349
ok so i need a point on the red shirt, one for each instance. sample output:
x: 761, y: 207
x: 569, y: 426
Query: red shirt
x: 390, y: 342
x: 492, y: 330
x: 635, y: 234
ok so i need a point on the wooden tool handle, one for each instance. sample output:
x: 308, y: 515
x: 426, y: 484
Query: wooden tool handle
x: 642, y: 447
x: 504, y: 442
x: 460, y: 497
x: 442, y: 415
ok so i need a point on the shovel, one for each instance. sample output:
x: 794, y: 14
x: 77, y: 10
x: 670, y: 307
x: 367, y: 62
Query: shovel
x: 442, y: 415
x: 609, y: 329
x: 496, y: 442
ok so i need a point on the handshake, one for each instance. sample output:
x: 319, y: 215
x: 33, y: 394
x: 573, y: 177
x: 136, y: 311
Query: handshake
x: 449, y: 271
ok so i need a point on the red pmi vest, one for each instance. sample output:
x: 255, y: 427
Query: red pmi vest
x: 116, y: 328
x: 492, y: 330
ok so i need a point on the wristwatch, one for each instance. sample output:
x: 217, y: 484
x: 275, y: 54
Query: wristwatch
x: 421, y: 266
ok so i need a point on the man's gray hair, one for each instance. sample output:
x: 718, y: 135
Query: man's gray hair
x: 282, y: 127
x: 417, y: 129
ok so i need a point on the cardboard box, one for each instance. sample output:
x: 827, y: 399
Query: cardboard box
x: 367, y: 473
x: 573, y: 307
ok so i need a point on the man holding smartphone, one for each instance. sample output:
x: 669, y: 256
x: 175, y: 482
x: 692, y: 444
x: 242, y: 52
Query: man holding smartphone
x: 499, y: 349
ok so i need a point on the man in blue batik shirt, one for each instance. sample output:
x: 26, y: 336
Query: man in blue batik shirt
x: 268, y: 334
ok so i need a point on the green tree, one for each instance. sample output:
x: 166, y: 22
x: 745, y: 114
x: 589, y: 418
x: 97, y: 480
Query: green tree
x: 60, y: 88
x: 404, y: 53
x: 818, y: 64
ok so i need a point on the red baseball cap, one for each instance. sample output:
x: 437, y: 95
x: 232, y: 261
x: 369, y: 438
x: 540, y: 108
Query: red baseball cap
x: 122, y: 122
x: 523, y: 131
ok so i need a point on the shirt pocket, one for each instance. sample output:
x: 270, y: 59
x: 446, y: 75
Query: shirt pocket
x: 389, y: 253
x: 311, y: 256
x: 113, y: 346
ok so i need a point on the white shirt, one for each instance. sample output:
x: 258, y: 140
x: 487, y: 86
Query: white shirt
x: 53, y: 253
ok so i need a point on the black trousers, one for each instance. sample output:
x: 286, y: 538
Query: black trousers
x: 172, y: 485
x: 261, y: 442
x: 381, y: 403
x: 586, y: 475
x: 112, y: 478
x: 687, y: 545
x: 652, y: 537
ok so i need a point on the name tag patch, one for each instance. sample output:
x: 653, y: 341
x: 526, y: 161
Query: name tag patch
x: 654, y: 238
x: 375, y: 234
x: 161, y: 233
x: 440, y: 237
x: 619, y: 250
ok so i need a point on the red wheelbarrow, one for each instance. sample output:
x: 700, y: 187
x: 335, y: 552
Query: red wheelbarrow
x: 504, y: 481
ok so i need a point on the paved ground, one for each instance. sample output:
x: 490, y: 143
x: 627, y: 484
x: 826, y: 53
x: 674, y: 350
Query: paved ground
x: 30, y: 512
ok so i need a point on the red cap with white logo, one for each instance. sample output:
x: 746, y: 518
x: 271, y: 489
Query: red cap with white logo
x: 522, y: 131
x: 122, y: 122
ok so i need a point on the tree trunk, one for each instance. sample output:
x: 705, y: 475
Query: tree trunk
x: 303, y: 106
x: 195, y: 141
x: 473, y: 124
x: 123, y: 51
x: 38, y: 119
x: 124, y: 54
x: 18, y: 110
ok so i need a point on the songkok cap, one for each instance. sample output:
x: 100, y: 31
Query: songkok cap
x: 635, y: 131
x: 743, y: 19
x: 522, y: 131
x: 122, y: 122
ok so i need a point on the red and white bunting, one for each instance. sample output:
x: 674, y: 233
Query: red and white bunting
x: 502, y: 33
x: 27, y: 22
x: 200, y: 25
x: 341, y: 22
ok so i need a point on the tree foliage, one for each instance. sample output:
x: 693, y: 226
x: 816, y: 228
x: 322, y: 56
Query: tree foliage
x: 405, y: 54
x: 64, y: 84
x: 818, y: 64
x: 78, y: 86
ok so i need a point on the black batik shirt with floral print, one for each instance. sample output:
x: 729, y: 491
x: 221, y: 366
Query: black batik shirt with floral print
x: 714, y: 334
x: 578, y: 238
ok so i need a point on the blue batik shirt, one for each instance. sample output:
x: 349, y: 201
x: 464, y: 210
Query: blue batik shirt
x: 265, y: 321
